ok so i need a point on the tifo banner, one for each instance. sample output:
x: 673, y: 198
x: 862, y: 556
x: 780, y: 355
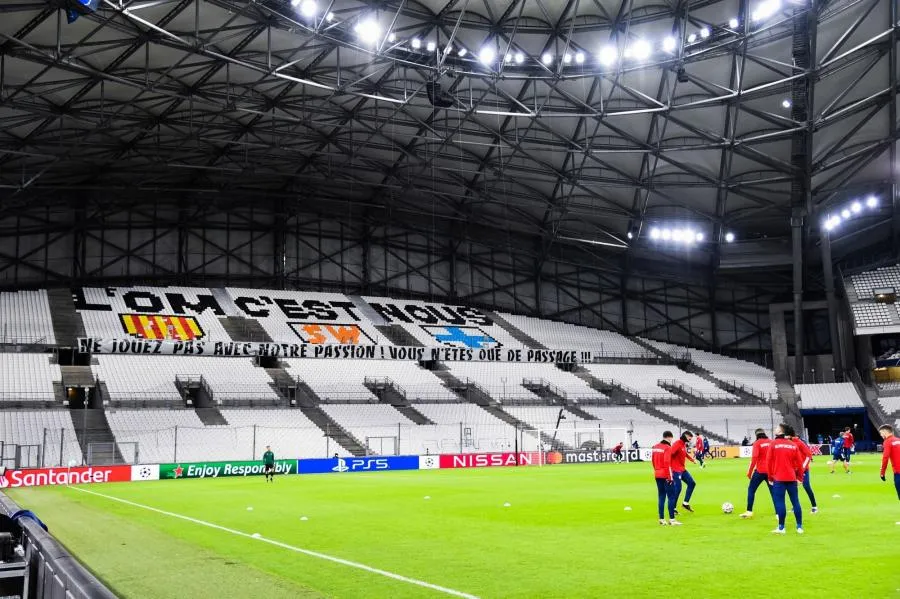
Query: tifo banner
x: 34, y: 477
x: 583, y: 456
x: 363, y: 464
x: 483, y: 460
x: 240, y: 349
x: 217, y: 469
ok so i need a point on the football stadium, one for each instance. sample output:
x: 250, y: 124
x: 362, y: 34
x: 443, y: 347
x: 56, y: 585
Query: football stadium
x: 462, y: 298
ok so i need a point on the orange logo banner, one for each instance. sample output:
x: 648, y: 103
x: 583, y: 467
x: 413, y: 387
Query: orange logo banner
x: 317, y: 333
x: 161, y: 326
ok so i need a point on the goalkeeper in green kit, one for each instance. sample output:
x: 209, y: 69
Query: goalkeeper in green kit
x: 269, y: 464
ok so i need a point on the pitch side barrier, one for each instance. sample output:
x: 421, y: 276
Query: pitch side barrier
x: 78, y: 475
x: 42, y: 569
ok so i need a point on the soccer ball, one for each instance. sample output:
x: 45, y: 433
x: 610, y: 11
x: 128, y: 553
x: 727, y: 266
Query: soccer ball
x: 727, y: 508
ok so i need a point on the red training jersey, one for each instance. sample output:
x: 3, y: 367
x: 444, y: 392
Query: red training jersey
x: 679, y: 455
x: 698, y: 443
x: 848, y: 440
x: 892, y: 453
x: 661, y: 456
x: 784, y: 462
x: 758, y: 460
x: 805, y: 453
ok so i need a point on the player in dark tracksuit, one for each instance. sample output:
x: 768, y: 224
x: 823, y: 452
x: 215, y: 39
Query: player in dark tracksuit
x: 757, y: 473
x: 661, y: 458
x: 679, y: 472
x: 269, y: 464
x: 785, y: 467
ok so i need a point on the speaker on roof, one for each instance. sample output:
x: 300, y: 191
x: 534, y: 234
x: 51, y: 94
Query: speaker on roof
x: 682, y: 75
x: 437, y: 98
x: 76, y: 8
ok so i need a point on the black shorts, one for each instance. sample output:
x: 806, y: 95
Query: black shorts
x: 270, y: 468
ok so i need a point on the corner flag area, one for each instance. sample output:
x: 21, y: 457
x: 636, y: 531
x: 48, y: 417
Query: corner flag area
x: 558, y: 531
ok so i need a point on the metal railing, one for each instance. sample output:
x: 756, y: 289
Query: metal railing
x: 547, y: 386
x: 702, y: 395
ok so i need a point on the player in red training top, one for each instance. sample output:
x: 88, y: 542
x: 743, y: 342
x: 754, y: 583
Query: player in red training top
x: 679, y: 471
x: 785, y: 466
x: 661, y: 457
x: 617, y: 451
x: 758, y: 474
x: 892, y: 454
x: 698, y: 449
x: 806, y: 454
x: 846, y: 450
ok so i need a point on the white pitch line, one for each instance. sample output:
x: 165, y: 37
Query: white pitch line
x: 308, y: 552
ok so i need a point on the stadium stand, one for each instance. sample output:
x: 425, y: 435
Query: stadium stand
x: 646, y: 428
x: 871, y: 315
x: 731, y: 422
x: 890, y: 404
x: 28, y: 377
x: 865, y: 282
x: 724, y: 368
x: 828, y: 395
x: 380, y: 428
x: 569, y: 336
x: 153, y: 378
x: 519, y: 381
x: 644, y: 379
x: 346, y: 380
x: 49, y: 431
x: 25, y: 318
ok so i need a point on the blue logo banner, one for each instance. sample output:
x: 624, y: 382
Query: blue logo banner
x: 366, y: 464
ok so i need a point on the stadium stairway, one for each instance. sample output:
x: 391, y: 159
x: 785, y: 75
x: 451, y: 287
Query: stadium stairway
x: 333, y: 430
x: 515, y: 332
x: 413, y: 414
x: 67, y: 323
x: 211, y: 417
x: 652, y: 350
x: 397, y: 335
x: 616, y: 392
x: 685, y: 392
x: 466, y: 391
x: 98, y: 444
x: 284, y: 384
x: 244, y: 329
x: 389, y: 392
x: 787, y: 400
x: 548, y: 440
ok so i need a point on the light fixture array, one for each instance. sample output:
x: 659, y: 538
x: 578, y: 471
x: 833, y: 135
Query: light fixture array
x: 369, y: 32
x: 851, y: 210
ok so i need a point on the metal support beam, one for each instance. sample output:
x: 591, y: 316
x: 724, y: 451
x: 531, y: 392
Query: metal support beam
x: 828, y: 273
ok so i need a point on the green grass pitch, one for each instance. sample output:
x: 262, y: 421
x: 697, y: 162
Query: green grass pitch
x: 566, y: 533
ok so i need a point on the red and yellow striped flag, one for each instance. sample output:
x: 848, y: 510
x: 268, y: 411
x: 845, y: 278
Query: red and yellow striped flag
x: 161, y: 326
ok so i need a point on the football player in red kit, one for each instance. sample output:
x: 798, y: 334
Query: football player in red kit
x: 806, y: 454
x: 757, y: 473
x: 680, y: 454
x: 661, y: 458
x: 891, y: 454
x: 785, y: 468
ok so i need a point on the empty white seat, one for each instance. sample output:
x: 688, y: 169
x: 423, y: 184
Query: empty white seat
x: 562, y: 335
x: 25, y: 317
x: 27, y: 377
x: 47, y: 433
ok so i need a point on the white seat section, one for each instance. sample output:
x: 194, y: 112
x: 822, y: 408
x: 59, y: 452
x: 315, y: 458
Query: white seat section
x: 890, y: 404
x: 724, y: 368
x: 828, y: 395
x: 46, y: 430
x: 343, y: 380
x: 871, y: 315
x: 505, y: 380
x: 27, y: 377
x: 378, y: 426
x: 561, y: 335
x: 157, y: 432
x: 643, y: 379
x: 464, y: 428
x: 100, y: 323
x: 25, y: 317
x: 429, y: 319
x: 140, y: 378
x: 647, y: 429
x: 284, y: 329
x: 572, y: 431
x: 732, y: 422
x: 865, y: 282
x: 288, y: 431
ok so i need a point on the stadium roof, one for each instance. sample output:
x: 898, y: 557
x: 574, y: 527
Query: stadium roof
x: 616, y: 130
